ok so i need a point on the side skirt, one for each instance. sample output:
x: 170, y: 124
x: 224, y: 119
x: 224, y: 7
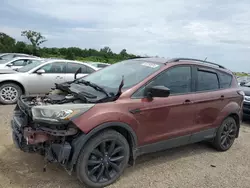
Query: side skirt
x: 176, y: 142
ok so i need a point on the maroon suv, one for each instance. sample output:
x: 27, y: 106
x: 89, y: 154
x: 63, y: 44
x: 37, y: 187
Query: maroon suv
x: 98, y: 124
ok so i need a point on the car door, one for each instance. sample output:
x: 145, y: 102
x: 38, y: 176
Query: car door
x: 41, y: 83
x: 73, y: 67
x: 172, y: 117
x: 209, y: 103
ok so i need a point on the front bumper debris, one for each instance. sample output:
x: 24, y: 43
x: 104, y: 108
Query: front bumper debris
x: 55, y: 145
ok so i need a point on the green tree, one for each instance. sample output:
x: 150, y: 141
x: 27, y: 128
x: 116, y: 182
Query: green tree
x: 70, y: 55
x: 35, y: 38
x: 7, y: 43
x: 123, y: 53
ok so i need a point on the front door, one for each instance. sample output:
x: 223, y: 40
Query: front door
x: 42, y: 83
x: 171, y: 117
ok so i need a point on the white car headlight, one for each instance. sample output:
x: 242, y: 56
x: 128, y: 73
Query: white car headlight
x: 59, y: 112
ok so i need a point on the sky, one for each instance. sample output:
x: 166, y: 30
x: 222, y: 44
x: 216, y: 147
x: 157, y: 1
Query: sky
x: 218, y: 30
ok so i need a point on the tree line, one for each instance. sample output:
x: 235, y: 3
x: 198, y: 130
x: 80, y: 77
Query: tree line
x: 10, y: 45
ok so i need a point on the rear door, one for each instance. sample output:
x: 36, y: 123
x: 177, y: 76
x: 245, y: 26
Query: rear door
x: 209, y: 102
x: 73, y: 67
x: 42, y: 83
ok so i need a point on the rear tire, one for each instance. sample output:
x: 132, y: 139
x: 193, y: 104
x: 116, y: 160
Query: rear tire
x: 9, y: 93
x: 226, y: 134
x: 103, y: 159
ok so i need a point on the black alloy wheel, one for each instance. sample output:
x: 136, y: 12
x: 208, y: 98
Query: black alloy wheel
x: 226, y: 134
x: 103, y: 159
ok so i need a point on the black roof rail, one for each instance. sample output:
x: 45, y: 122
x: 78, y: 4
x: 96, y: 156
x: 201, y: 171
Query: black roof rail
x: 191, y: 59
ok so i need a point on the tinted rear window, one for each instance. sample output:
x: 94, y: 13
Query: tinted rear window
x: 207, y: 81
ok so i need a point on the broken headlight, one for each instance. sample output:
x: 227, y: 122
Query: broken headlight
x: 58, y: 113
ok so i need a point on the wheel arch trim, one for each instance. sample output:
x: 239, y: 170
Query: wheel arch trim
x: 79, y: 143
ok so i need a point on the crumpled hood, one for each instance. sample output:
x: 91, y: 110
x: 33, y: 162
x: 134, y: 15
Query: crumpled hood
x: 87, y: 91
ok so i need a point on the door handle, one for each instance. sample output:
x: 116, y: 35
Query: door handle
x: 59, y: 77
x: 222, y: 97
x: 187, y: 102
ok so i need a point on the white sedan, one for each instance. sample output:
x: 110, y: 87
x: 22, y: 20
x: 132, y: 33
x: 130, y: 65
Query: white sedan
x: 39, y: 77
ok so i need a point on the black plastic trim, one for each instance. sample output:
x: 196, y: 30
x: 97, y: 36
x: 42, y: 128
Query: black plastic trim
x: 197, y: 60
x: 176, y: 142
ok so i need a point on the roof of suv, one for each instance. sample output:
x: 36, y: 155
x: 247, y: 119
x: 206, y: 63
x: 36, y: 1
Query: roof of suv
x: 172, y: 60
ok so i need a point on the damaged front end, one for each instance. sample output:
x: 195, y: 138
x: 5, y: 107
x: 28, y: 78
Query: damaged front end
x: 44, y: 124
x: 43, y: 127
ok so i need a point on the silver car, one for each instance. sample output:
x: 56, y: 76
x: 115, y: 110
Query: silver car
x: 9, y: 56
x: 17, y: 62
x: 39, y: 77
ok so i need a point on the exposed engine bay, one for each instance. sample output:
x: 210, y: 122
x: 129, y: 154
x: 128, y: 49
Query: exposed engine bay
x: 74, y: 93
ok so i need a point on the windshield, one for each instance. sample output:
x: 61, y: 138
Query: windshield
x: 7, y: 56
x: 133, y: 71
x: 30, y: 66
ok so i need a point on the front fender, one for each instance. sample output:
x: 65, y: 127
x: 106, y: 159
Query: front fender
x: 93, y: 118
x: 80, y: 142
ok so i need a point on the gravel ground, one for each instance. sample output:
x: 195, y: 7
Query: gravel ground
x: 191, y: 166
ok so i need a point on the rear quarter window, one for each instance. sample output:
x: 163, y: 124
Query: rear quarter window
x: 225, y: 80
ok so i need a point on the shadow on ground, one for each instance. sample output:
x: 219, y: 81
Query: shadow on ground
x: 19, y: 168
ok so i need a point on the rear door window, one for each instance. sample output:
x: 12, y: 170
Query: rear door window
x: 55, y: 67
x: 207, y: 81
x: 73, y: 67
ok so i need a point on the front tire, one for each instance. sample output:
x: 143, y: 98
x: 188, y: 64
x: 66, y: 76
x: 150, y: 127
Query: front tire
x: 103, y: 159
x: 9, y: 93
x: 226, y: 134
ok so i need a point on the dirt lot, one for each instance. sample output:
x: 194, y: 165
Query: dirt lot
x: 187, y: 166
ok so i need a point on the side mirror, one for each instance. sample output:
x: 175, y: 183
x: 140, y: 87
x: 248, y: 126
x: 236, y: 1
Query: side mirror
x: 9, y: 65
x: 157, y: 91
x: 40, y: 71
